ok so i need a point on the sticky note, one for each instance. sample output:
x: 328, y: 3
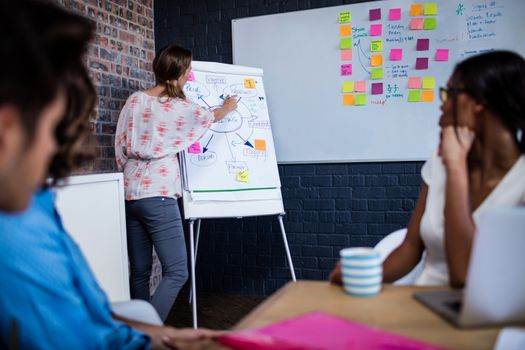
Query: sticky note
x: 422, y: 44
x: 416, y: 24
x: 442, y: 55
x: 348, y: 86
x: 345, y: 30
x: 346, y: 69
x: 430, y: 9
x: 346, y: 43
x: 376, y: 29
x: 429, y: 82
x: 396, y: 54
x: 394, y: 14
x: 421, y: 63
x: 377, y: 88
x: 427, y: 95
x: 414, y: 95
x: 374, y: 14
x: 416, y: 10
x: 344, y: 17
x: 360, y: 86
x: 376, y: 73
x: 191, y: 76
x: 346, y: 55
x: 430, y: 23
x: 376, y: 45
x: 243, y: 176
x: 414, y: 82
x: 195, y: 148
x: 249, y: 83
x: 360, y: 99
x: 376, y: 60
x: 259, y: 144
x: 348, y: 99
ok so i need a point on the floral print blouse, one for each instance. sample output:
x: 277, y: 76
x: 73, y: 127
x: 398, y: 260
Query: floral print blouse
x: 150, y: 133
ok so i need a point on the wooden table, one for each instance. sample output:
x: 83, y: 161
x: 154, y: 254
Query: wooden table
x: 394, y: 310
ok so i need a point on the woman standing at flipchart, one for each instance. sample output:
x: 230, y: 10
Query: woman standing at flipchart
x: 153, y: 127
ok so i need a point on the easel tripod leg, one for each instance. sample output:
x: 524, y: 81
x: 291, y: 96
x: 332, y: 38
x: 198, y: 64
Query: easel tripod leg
x: 193, y: 284
x: 286, y: 247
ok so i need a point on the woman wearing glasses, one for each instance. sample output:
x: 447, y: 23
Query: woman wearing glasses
x: 479, y: 165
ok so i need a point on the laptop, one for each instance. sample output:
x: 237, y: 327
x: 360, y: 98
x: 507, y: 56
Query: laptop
x: 495, y: 288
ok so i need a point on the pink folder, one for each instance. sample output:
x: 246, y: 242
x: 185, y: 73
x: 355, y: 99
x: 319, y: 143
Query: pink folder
x: 320, y: 331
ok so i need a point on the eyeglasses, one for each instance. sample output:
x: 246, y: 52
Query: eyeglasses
x: 446, y: 92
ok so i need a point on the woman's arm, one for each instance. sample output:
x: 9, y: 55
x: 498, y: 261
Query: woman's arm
x: 459, y: 224
x: 229, y: 104
x: 405, y: 257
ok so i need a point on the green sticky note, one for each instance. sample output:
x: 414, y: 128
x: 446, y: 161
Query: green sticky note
x: 430, y: 23
x: 346, y: 43
x: 360, y: 99
x: 377, y: 73
x: 429, y: 82
x: 376, y: 45
x: 344, y: 17
x: 414, y: 95
x: 430, y: 9
x: 348, y: 86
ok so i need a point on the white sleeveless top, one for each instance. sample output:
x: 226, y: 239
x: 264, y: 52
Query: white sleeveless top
x: 509, y: 192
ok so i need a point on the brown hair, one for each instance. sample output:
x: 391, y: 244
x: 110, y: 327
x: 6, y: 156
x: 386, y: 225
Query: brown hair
x: 170, y: 63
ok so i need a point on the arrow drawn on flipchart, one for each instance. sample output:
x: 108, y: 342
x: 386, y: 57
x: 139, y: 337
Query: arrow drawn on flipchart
x: 360, y: 52
x: 243, y: 140
x: 200, y: 98
x: 246, y: 142
x: 205, y: 148
x: 229, y: 146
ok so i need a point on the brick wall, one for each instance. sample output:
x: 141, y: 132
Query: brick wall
x: 329, y: 206
x: 119, y: 62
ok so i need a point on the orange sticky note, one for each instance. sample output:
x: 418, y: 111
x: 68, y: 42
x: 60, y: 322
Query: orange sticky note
x: 346, y: 55
x: 249, y: 83
x: 427, y: 95
x: 376, y: 60
x: 416, y: 10
x: 260, y: 145
x: 348, y: 99
x: 360, y: 86
x: 345, y: 30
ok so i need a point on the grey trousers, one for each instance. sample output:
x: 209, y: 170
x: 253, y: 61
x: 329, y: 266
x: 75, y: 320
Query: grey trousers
x: 156, y: 222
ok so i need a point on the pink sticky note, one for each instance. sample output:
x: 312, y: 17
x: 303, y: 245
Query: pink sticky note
x: 376, y: 29
x: 346, y: 69
x: 191, y: 76
x: 422, y: 44
x: 360, y: 86
x: 396, y: 54
x: 421, y: 63
x: 442, y: 55
x: 195, y: 148
x: 414, y: 82
x: 346, y: 55
x: 394, y: 14
x: 375, y: 14
x: 416, y: 24
x: 377, y: 88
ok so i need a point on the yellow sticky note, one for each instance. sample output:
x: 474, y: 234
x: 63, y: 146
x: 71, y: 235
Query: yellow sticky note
x: 345, y: 30
x: 430, y: 9
x: 360, y: 99
x: 416, y: 10
x: 348, y: 86
x: 376, y: 45
x: 427, y: 95
x: 249, y: 83
x: 344, y: 17
x: 348, y: 99
x: 429, y: 82
x: 243, y: 176
x: 260, y: 145
x: 376, y: 60
x: 376, y: 73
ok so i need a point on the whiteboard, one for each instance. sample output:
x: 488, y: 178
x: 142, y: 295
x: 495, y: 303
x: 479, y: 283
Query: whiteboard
x: 232, y: 170
x: 301, y: 57
x: 92, y: 211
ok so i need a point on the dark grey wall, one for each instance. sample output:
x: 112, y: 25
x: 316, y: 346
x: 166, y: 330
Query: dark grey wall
x: 328, y: 206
